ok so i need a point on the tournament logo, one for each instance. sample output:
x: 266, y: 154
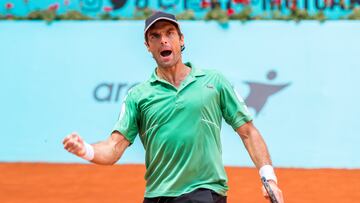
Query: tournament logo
x: 261, y: 92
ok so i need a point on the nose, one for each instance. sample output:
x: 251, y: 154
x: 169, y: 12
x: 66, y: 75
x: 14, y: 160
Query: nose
x: 164, y: 40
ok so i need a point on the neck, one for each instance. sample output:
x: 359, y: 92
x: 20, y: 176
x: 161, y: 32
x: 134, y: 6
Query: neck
x: 175, y: 74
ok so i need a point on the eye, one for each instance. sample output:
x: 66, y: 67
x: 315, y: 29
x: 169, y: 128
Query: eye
x: 157, y: 36
x: 171, y: 34
x: 154, y: 36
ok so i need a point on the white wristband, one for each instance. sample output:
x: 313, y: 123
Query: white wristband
x: 89, y: 152
x: 267, y: 171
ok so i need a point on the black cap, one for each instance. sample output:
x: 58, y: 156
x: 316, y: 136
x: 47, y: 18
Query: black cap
x: 159, y: 16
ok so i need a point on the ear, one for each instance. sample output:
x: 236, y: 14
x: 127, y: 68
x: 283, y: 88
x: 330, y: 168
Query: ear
x: 147, y: 46
x: 182, y: 40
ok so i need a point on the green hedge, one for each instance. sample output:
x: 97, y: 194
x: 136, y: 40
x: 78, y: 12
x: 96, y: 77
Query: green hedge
x: 216, y: 14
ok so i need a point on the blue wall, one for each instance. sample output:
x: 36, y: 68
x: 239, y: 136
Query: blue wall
x: 49, y: 73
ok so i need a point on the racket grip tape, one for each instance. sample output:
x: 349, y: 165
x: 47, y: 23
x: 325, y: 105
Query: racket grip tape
x: 269, y: 190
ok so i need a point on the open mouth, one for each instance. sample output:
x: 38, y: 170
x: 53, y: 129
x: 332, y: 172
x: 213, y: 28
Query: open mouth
x: 165, y: 53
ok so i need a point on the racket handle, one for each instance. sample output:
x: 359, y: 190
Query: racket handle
x: 269, y: 190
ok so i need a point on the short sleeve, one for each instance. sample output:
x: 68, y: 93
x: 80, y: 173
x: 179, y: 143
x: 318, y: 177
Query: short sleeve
x: 233, y: 107
x: 127, y: 122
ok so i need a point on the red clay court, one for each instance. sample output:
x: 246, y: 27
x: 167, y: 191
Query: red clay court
x: 86, y: 183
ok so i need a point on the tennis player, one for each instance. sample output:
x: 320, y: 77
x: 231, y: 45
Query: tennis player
x: 177, y: 114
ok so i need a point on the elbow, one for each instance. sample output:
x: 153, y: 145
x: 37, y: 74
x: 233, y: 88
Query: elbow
x: 111, y: 163
x: 115, y: 158
x: 248, y: 131
x: 106, y: 163
x: 244, y: 136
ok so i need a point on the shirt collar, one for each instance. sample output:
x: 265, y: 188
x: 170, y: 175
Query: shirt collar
x: 194, y: 72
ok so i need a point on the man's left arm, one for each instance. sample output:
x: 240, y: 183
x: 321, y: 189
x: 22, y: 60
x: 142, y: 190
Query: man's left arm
x: 257, y: 149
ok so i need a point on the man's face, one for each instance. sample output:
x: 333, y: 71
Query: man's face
x: 164, y: 43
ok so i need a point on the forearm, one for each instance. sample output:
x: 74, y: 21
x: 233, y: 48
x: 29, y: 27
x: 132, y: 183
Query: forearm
x: 108, y: 152
x: 255, y: 145
x: 104, y: 153
x: 257, y: 149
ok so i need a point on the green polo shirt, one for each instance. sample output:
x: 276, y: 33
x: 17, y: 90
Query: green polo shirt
x: 180, y: 130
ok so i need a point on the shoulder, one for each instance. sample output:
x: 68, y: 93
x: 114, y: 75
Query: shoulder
x: 214, y: 75
x: 218, y: 79
x: 137, y: 90
x: 211, y: 72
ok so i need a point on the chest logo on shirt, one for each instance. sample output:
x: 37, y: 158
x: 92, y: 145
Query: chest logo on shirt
x: 210, y: 86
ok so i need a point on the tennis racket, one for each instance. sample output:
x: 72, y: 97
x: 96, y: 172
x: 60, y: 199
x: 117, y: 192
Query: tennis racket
x: 269, y: 190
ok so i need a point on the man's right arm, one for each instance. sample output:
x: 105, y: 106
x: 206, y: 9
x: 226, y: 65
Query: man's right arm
x: 106, y: 152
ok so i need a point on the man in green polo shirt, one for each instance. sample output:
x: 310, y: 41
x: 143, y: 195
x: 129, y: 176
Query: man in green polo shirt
x: 177, y: 114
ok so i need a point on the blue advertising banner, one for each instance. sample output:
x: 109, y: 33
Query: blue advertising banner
x: 332, y: 8
x: 299, y: 81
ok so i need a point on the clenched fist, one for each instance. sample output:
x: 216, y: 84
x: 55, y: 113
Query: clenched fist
x: 73, y: 143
